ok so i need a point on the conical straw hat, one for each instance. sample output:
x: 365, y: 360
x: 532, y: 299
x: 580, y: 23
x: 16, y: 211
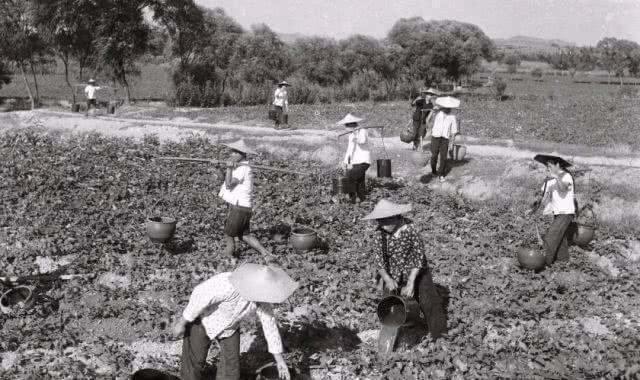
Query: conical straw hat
x: 547, y: 158
x: 385, y: 209
x: 349, y: 119
x: 430, y: 90
x: 240, y: 146
x: 262, y: 283
x: 448, y: 102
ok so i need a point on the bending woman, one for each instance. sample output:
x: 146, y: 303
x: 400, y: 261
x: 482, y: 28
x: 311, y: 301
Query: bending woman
x: 402, y: 264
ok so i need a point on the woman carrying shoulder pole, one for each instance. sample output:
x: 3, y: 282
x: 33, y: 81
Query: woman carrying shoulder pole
x: 357, y: 158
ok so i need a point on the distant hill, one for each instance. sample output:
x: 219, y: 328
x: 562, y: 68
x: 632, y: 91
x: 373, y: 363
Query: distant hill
x: 528, y: 45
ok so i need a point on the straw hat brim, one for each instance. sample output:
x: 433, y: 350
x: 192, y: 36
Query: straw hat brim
x: 284, y: 83
x: 547, y: 158
x: 387, y: 209
x: 349, y: 119
x: 241, y: 147
x: 262, y: 283
x: 431, y: 91
x: 448, y: 102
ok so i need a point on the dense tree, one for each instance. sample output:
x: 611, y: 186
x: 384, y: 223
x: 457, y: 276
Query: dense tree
x: 121, y: 38
x: 512, y: 60
x: 69, y: 31
x: 318, y: 60
x: 261, y: 57
x: 5, y: 74
x: 436, y: 49
x: 20, y: 40
x: 184, y: 22
x: 617, y: 55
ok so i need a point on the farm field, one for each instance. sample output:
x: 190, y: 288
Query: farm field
x: 78, y: 203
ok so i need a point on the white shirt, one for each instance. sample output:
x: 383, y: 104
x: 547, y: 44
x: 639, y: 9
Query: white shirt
x: 221, y: 308
x: 241, y: 194
x: 358, y: 148
x: 557, y: 202
x: 444, y: 125
x: 90, y: 90
x: 280, y: 97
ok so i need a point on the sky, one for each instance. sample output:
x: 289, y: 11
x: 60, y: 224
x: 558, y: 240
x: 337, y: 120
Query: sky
x: 583, y: 22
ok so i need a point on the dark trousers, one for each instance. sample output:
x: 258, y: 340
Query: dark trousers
x: 439, y: 149
x: 279, y: 113
x: 420, y: 129
x: 356, y: 175
x: 555, y: 241
x: 195, y: 347
x: 91, y: 102
x: 431, y: 303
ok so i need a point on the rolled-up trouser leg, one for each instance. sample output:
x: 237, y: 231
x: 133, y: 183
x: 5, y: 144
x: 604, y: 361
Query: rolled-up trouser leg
x: 556, y: 246
x: 195, y: 347
x: 229, y: 361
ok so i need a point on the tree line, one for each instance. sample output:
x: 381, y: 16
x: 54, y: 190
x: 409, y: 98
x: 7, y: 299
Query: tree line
x: 214, y: 61
x: 618, y: 57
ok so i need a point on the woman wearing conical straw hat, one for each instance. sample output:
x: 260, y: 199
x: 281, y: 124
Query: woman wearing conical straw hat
x: 216, y: 308
x: 357, y: 158
x: 236, y: 191
x: 443, y: 134
x: 559, y: 200
x: 424, y: 107
x: 281, y: 102
x: 401, y: 262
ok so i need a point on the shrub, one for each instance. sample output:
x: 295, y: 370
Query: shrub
x: 536, y: 73
x: 627, y: 92
x: 499, y: 87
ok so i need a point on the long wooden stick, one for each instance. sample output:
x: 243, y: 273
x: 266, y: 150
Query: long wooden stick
x: 369, y: 127
x: 219, y: 162
x: 43, y: 277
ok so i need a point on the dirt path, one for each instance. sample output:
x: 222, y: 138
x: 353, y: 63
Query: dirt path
x: 178, y: 128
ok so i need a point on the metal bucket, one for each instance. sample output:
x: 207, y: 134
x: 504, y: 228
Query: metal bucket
x: 384, y: 168
x: 284, y: 119
x: 396, y: 311
x: 18, y: 297
x: 273, y: 114
x: 75, y: 107
x: 111, y: 108
x: 342, y: 185
x: 458, y: 152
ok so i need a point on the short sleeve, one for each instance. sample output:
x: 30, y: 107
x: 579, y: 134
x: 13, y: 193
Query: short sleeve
x: 567, y: 179
x: 454, y: 125
x: 242, y: 173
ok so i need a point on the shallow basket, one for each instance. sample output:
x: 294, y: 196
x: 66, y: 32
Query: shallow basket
x: 160, y: 228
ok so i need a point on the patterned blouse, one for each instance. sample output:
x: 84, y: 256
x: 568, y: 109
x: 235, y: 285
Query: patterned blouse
x: 398, y: 253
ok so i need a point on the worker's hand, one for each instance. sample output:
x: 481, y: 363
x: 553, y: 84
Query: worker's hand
x: 230, y: 164
x: 179, y: 327
x: 392, y: 284
x: 283, y: 370
x: 407, y: 291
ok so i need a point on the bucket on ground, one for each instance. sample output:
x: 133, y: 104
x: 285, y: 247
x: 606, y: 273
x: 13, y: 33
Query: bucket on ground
x: 384, y: 168
x: 75, y: 107
x: 458, y: 152
x: 111, y: 108
x: 16, y: 298
x: 303, y: 238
